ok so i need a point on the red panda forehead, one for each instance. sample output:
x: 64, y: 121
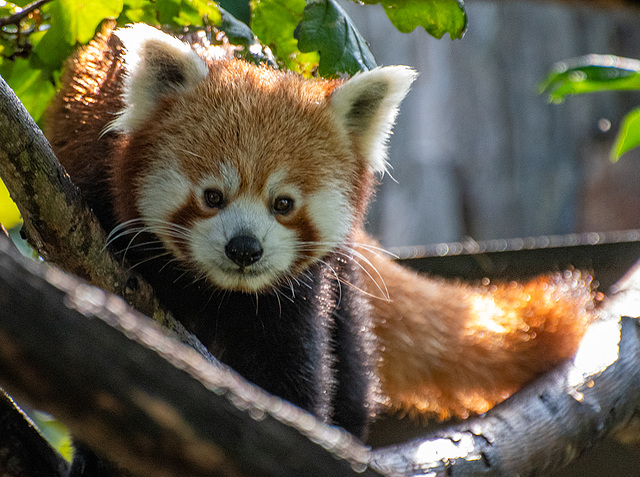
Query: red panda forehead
x: 265, y: 180
x: 263, y: 122
x: 240, y: 75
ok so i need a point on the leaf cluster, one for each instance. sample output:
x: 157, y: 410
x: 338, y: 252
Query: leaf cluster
x: 594, y: 73
x: 309, y: 37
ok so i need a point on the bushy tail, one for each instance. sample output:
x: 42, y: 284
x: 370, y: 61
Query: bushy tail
x: 449, y: 349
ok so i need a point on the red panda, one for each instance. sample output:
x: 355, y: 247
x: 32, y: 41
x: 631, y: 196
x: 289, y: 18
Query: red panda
x: 240, y: 192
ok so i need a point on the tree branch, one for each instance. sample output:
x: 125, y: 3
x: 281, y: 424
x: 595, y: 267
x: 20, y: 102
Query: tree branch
x: 142, y: 383
x: 547, y: 425
x: 16, y: 18
x: 57, y: 222
x: 141, y: 398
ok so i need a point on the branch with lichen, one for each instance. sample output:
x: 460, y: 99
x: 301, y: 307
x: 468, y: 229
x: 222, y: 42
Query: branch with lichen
x: 58, y: 224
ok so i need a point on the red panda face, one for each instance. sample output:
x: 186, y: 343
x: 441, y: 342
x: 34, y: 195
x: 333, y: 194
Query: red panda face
x: 245, y: 218
x: 247, y: 175
x: 244, y: 239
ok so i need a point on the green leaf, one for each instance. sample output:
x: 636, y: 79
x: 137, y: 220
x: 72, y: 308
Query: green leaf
x: 138, y: 11
x: 210, y: 12
x: 589, y: 74
x: 22, y: 3
x: 168, y: 10
x: 628, y: 135
x: 189, y: 15
x: 326, y: 28
x: 54, y: 432
x: 236, y: 31
x: 9, y: 213
x: 72, y: 22
x: 31, y: 85
x: 7, y: 9
x: 89, y: 15
x: 273, y: 22
x: 437, y: 17
x: 181, y: 13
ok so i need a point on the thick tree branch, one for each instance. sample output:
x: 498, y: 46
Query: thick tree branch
x: 548, y: 424
x: 141, y: 398
x: 57, y: 222
x: 139, y: 382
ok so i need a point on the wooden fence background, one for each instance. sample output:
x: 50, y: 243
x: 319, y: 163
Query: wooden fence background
x: 478, y: 153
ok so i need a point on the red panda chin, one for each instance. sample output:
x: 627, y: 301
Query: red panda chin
x: 246, y: 280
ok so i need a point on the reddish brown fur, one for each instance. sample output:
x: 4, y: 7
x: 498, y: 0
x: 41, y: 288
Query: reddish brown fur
x: 441, y: 356
x: 437, y: 357
x: 81, y: 111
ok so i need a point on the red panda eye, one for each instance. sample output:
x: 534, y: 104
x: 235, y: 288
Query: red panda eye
x: 214, y: 198
x: 283, y: 205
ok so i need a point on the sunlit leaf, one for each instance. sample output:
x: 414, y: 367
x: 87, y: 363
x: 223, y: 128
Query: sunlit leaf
x: 188, y: 15
x: 326, y: 28
x: 72, y: 22
x: 273, y: 22
x: 180, y: 13
x: 589, y: 74
x: 54, y: 432
x: 628, y: 135
x: 137, y: 11
x: 437, y: 17
x: 31, y: 85
x: 7, y: 9
x: 9, y: 213
x: 89, y: 15
x: 209, y: 11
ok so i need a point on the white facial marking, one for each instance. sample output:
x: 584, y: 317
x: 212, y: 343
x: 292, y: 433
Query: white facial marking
x: 227, y: 181
x: 276, y: 182
x: 331, y: 213
x: 164, y: 190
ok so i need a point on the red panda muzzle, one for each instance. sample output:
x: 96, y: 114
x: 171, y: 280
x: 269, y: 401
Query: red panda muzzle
x: 243, y: 250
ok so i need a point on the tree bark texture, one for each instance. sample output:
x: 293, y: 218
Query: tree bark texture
x: 152, y: 405
x: 58, y: 224
x: 142, y: 399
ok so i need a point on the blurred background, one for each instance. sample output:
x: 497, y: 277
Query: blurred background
x: 478, y: 153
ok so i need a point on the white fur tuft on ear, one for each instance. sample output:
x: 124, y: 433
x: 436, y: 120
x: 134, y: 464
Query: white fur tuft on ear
x: 155, y: 64
x: 367, y: 105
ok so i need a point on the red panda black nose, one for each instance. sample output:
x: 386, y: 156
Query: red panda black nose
x: 243, y: 250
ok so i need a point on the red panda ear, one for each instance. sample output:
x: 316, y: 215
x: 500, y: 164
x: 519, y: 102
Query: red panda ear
x: 367, y: 106
x: 155, y: 64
